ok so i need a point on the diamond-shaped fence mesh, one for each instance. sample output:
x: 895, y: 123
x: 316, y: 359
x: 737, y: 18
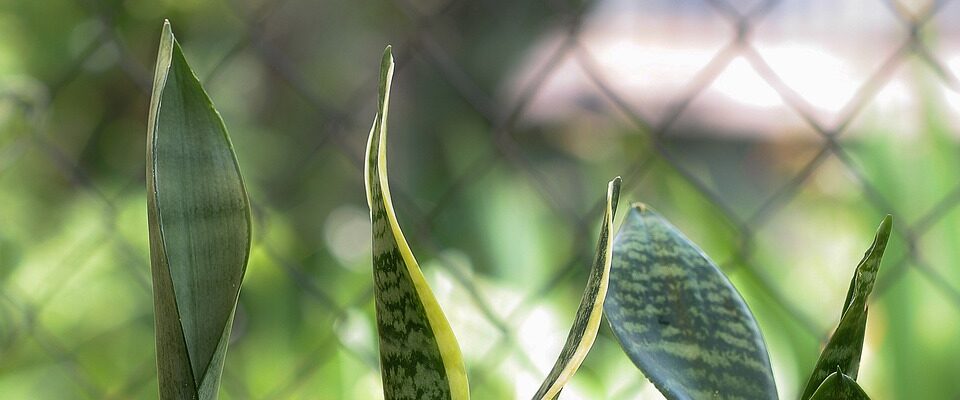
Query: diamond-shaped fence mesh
x: 776, y: 133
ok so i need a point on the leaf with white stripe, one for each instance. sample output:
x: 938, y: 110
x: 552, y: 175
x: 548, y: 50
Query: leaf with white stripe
x: 587, y: 322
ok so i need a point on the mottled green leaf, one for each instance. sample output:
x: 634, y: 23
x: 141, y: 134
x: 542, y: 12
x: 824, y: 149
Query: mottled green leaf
x: 419, y: 355
x: 844, y: 347
x: 587, y: 322
x: 199, y: 225
x: 679, y: 319
x: 839, y: 386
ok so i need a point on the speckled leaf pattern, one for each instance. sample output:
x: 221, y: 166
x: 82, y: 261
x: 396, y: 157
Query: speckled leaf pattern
x: 844, y: 347
x: 839, y: 386
x: 419, y: 355
x: 199, y: 226
x: 587, y: 321
x: 679, y: 319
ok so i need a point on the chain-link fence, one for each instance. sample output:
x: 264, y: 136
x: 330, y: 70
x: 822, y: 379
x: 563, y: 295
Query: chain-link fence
x: 498, y: 177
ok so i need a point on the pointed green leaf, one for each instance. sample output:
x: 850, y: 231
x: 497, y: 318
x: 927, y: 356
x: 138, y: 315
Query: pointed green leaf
x: 199, y: 225
x: 679, y: 319
x: 839, y: 386
x: 419, y: 355
x: 844, y: 347
x: 587, y: 322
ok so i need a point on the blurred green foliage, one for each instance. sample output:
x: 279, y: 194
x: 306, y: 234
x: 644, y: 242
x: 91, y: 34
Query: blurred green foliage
x: 502, y: 215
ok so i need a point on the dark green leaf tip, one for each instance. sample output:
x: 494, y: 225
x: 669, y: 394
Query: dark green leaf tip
x: 386, y: 80
x: 387, y: 61
x: 844, y: 348
x: 615, y: 193
x: 839, y: 386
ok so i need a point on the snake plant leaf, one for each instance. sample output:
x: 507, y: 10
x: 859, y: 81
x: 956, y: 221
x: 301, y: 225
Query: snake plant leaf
x: 679, y: 318
x: 199, y: 227
x: 839, y: 386
x: 419, y: 355
x: 587, y: 322
x: 844, y: 347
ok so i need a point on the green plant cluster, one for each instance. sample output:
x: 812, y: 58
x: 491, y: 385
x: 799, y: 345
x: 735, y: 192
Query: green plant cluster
x: 675, y: 314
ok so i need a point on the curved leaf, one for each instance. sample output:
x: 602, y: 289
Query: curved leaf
x: 199, y: 225
x: 838, y: 386
x: 679, y: 319
x: 587, y: 322
x: 419, y: 355
x: 844, y: 347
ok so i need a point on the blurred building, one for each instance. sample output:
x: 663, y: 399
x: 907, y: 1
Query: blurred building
x: 747, y: 67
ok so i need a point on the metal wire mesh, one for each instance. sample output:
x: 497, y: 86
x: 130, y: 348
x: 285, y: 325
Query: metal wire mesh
x: 322, y: 128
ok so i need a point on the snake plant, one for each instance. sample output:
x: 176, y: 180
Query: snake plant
x: 419, y: 354
x: 684, y: 325
x: 199, y: 228
x: 674, y: 312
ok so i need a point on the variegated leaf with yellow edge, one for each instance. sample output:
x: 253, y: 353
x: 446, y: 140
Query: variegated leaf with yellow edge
x: 419, y: 355
x: 587, y: 322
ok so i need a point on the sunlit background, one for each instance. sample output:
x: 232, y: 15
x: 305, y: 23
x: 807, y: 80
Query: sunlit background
x: 776, y: 134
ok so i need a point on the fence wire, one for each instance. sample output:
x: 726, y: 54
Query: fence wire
x: 91, y: 201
